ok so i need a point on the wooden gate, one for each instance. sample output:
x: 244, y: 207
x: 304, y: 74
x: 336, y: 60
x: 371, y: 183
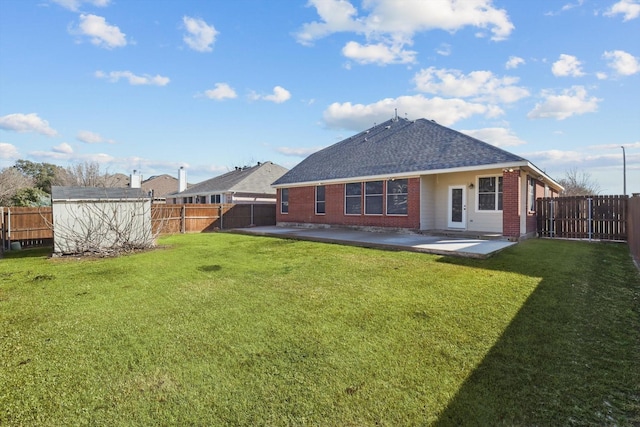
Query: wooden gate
x: 583, y: 217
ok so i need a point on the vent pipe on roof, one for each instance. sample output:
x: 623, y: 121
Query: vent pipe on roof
x: 182, y: 179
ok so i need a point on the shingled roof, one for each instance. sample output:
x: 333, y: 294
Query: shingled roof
x: 96, y: 193
x: 255, y: 179
x: 397, y: 146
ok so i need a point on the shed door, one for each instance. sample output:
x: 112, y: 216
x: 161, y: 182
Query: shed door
x: 457, y: 217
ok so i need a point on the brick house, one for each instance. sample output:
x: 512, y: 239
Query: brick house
x: 415, y: 175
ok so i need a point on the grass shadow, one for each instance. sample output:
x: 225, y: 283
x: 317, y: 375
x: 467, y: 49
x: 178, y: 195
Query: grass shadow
x: 40, y: 252
x: 571, y: 353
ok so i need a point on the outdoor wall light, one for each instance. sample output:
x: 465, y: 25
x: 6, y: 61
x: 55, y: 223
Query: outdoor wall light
x: 471, y: 185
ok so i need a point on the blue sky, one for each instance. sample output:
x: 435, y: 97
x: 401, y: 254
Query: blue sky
x: 210, y: 85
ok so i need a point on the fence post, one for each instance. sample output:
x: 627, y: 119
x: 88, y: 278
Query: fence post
x: 8, y: 235
x: 1, y: 231
x: 553, y: 219
x: 221, y: 215
x: 590, y: 218
x: 183, y: 218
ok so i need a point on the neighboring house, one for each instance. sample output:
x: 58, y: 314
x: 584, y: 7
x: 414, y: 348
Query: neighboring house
x: 158, y: 187
x: 93, y: 219
x: 249, y: 184
x: 415, y: 175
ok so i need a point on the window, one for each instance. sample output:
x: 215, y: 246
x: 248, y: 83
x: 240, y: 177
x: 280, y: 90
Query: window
x: 490, y: 193
x: 215, y: 198
x: 320, y: 200
x: 532, y: 195
x: 353, y: 198
x: 284, y: 200
x: 397, y: 196
x: 373, y: 198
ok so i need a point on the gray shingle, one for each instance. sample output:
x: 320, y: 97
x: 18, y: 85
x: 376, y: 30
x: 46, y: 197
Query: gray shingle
x: 396, y: 147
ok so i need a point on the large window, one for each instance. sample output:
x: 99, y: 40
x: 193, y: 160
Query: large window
x: 532, y: 195
x: 490, y: 193
x: 320, y: 200
x: 215, y: 198
x: 284, y: 200
x: 353, y: 198
x: 397, y: 195
x: 373, y: 197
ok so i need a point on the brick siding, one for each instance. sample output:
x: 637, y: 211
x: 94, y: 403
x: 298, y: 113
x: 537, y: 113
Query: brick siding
x: 302, y: 208
x: 511, y: 203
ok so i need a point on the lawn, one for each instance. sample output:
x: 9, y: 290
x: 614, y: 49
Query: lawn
x: 223, y: 329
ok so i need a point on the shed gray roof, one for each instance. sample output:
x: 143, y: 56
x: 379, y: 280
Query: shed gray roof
x: 95, y: 193
x: 255, y: 180
x: 397, y: 146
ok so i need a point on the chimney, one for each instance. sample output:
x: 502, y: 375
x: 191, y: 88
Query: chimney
x: 182, y: 179
x: 135, y: 180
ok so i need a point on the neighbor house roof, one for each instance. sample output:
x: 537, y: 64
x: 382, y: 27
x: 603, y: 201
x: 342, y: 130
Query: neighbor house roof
x: 59, y: 193
x: 161, y: 185
x: 397, y: 147
x: 249, y: 179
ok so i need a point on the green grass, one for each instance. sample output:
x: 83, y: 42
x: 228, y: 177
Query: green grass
x: 223, y: 329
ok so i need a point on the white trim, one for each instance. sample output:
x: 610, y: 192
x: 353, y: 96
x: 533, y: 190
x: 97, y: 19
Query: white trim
x: 477, y: 194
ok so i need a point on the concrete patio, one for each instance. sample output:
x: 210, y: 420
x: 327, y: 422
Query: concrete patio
x: 434, y: 244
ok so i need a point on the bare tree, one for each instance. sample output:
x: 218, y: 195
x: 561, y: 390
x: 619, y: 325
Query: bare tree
x: 89, y: 174
x: 12, y: 181
x: 578, y: 183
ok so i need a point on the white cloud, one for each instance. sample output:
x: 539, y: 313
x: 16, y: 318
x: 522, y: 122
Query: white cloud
x: 92, y: 138
x: 566, y: 7
x: 26, y: 123
x: 297, y: 151
x: 378, y: 53
x: 444, y: 49
x: 500, y: 137
x: 221, y: 91
x: 278, y: 96
x: 8, y: 151
x: 573, y: 101
x: 445, y: 111
x: 200, y: 35
x: 629, y: 8
x: 478, y: 85
x: 63, y: 148
x: 100, y: 32
x: 74, y: 5
x: 567, y: 65
x: 133, y: 79
x: 514, y: 62
x: 622, y: 62
x: 393, y: 24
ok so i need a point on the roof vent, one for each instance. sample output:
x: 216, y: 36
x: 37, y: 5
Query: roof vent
x: 387, y: 127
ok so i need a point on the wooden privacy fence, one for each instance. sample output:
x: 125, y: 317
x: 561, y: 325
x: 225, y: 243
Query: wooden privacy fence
x: 633, y: 226
x: 583, y: 217
x: 192, y: 218
x: 31, y: 226
x: 25, y: 226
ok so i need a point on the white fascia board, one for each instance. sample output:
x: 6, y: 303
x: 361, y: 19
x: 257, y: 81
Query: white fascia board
x: 546, y: 177
x: 402, y: 175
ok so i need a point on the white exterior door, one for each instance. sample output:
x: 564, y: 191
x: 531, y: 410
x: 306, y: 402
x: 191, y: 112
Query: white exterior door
x: 457, y: 217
